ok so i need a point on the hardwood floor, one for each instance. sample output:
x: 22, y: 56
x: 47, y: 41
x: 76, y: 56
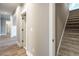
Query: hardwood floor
x: 5, y: 37
x: 12, y: 50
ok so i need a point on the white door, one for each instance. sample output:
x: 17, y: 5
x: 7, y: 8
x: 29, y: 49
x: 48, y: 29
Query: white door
x: 24, y: 31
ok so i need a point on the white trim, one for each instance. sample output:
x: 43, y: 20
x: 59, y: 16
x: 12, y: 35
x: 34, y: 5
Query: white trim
x: 62, y: 35
x: 29, y: 53
x: 51, y: 29
x: 25, y: 49
x: 19, y: 44
x: 23, y: 11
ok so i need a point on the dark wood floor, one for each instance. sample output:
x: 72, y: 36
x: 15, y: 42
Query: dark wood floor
x: 12, y: 50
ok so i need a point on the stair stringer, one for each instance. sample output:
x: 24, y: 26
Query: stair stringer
x: 62, y: 35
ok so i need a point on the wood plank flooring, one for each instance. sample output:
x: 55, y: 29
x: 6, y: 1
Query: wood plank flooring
x: 5, y: 37
x: 12, y: 50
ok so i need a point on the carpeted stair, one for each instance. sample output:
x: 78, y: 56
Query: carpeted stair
x: 70, y: 41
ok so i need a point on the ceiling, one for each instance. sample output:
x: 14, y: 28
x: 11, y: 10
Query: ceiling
x: 8, y: 7
x: 73, y: 6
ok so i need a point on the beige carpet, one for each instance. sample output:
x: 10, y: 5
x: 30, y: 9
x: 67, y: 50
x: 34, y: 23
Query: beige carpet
x: 70, y: 41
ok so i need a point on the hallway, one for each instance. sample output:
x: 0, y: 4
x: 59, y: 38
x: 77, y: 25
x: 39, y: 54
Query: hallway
x: 10, y: 41
x: 28, y: 27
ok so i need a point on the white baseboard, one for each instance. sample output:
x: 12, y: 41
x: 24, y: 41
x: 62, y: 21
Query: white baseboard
x: 19, y: 45
x: 25, y: 48
x: 29, y: 53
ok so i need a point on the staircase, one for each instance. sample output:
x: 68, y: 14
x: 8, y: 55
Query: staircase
x: 70, y: 41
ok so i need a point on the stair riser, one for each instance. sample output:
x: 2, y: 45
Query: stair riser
x: 73, y: 20
x: 65, y: 52
x: 72, y: 36
x: 70, y: 45
x: 72, y: 30
x: 71, y: 39
x: 69, y: 48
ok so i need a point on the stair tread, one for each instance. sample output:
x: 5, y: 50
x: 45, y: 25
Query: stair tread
x: 67, y: 47
x: 68, y: 52
x: 69, y: 30
x: 72, y: 23
x: 72, y: 36
x: 71, y: 39
x: 74, y: 44
x: 70, y: 33
x: 73, y: 20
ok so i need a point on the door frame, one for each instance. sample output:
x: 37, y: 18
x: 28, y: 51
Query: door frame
x: 23, y: 11
x: 52, y: 29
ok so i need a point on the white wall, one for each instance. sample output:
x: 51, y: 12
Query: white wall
x: 37, y: 26
x: 18, y: 27
x: 62, y: 13
x: 0, y: 26
x: 13, y: 27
